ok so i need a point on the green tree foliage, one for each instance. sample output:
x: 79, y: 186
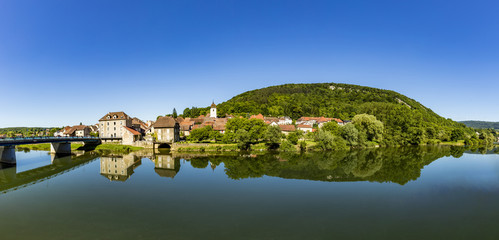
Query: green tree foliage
x: 327, y: 141
x: 332, y: 127
x: 287, y: 146
x: 273, y: 136
x: 457, y: 134
x: 243, y: 139
x: 293, y: 137
x: 174, y: 114
x: 369, y: 125
x: 204, y: 134
x: 350, y: 133
x: 255, y: 128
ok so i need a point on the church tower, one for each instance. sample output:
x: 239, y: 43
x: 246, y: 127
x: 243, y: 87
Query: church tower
x: 213, y: 110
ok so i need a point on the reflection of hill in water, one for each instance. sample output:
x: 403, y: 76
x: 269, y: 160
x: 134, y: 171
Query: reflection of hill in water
x: 398, y: 165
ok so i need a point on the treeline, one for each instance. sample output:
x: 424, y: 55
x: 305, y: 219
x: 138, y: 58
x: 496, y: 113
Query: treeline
x: 364, y: 131
x: 481, y: 124
x: 27, y: 131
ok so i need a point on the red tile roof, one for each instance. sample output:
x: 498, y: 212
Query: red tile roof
x: 132, y: 130
x: 259, y: 116
x: 287, y: 128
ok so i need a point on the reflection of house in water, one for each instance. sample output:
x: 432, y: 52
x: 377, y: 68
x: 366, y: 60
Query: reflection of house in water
x: 118, y: 168
x: 166, y: 165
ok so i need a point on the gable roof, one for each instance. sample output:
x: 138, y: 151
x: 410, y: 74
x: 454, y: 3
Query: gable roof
x: 119, y: 116
x: 287, y: 128
x: 132, y: 131
x: 75, y: 128
x: 165, y: 122
x: 303, y: 126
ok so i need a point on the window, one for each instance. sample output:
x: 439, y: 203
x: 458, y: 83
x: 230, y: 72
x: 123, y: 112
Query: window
x: 114, y: 123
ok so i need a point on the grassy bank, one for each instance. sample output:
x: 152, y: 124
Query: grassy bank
x: 213, y: 147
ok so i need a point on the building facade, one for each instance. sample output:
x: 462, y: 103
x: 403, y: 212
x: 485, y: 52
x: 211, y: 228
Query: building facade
x: 167, y: 130
x: 111, y: 125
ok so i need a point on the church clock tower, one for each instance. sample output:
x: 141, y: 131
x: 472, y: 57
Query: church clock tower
x: 213, y: 110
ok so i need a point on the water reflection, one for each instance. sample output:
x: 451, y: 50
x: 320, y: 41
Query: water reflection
x: 397, y: 165
x: 118, y: 167
x: 10, y: 179
x: 166, y: 165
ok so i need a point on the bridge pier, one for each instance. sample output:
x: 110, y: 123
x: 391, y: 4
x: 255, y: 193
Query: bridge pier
x: 63, y: 148
x: 8, y: 154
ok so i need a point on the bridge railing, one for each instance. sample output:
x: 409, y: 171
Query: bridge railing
x: 46, y: 138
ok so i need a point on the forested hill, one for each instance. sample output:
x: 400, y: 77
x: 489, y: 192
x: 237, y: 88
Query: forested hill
x: 481, y: 124
x: 406, y: 120
x: 320, y: 99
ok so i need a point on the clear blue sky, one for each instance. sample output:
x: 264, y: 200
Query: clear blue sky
x: 64, y: 62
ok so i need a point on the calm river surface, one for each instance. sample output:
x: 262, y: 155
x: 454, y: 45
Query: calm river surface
x: 400, y: 193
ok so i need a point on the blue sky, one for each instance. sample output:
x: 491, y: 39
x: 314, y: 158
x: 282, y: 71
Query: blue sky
x: 66, y: 62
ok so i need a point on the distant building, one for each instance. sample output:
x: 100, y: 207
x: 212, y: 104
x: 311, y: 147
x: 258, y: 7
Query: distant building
x: 286, y: 129
x: 259, y: 116
x: 213, y: 110
x: 305, y: 128
x: 78, y: 131
x: 167, y: 129
x: 111, y: 125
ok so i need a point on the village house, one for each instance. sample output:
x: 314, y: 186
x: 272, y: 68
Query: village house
x: 167, y: 129
x: 305, y: 128
x: 286, y: 129
x: 111, y: 126
x: 139, y: 126
x: 130, y: 136
x: 186, y: 126
x: 78, y: 131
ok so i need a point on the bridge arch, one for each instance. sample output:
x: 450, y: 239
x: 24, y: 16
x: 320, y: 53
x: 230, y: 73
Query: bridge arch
x: 164, y: 145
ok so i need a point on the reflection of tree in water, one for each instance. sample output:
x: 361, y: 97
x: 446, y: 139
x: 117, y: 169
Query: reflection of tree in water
x: 367, y: 163
x: 199, y: 163
x: 399, y: 165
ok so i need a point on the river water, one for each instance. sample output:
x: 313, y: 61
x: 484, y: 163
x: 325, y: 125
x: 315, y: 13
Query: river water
x: 394, y: 193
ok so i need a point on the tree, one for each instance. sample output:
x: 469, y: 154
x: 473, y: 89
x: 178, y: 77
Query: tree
x: 350, y: 133
x: 174, y: 114
x: 243, y: 139
x: 202, y: 134
x: 327, y: 141
x: 369, y: 125
x: 332, y: 127
x: 186, y: 113
x: 273, y: 136
x: 256, y: 128
x: 293, y: 137
x: 457, y: 134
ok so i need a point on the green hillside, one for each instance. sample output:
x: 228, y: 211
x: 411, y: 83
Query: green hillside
x: 405, y: 120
